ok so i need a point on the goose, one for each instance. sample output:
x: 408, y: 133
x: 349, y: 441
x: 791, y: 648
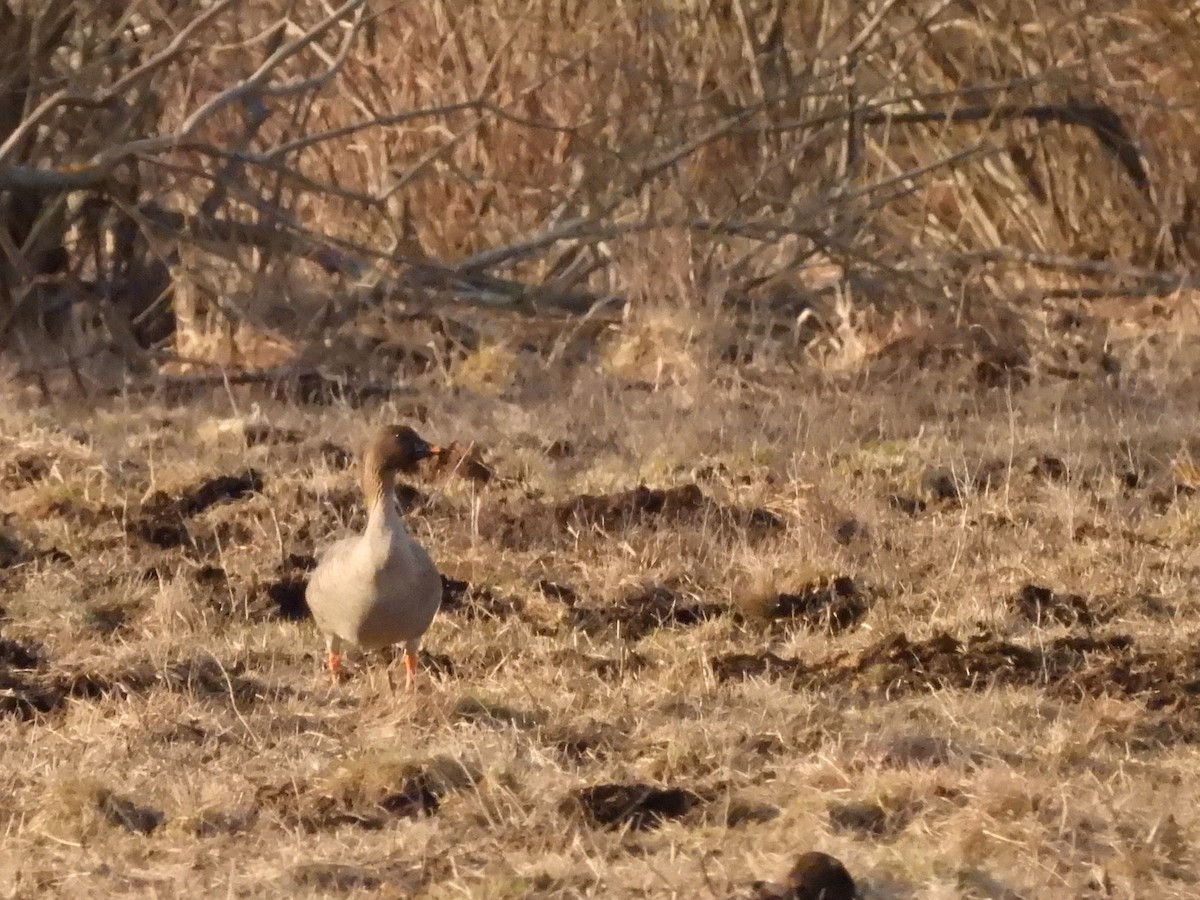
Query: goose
x: 380, y: 587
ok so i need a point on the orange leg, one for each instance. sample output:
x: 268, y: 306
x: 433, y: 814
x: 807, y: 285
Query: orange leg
x: 410, y: 670
x: 335, y: 664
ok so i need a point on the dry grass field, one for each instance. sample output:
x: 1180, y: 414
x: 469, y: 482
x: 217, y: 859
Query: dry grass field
x: 942, y: 628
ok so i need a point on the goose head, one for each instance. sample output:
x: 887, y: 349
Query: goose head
x: 396, y: 448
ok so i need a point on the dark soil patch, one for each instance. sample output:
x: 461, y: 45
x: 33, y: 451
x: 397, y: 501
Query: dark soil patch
x: 261, y: 433
x: 464, y: 461
x: 208, y: 493
x: 21, y: 693
x: 1070, y: 668
x: 1162, y: 499
x: 416, y: 797
x: 943, y: 485
x: 868, y: 820
x: 643, y: 612
x: 409, y: 498
x: 608, y: 668
x: 474, y: 602
x: 685, y: 504
x: 23, y: 470
x: 20, y: 654
x: 814, y: 876
x: 640, y: 807
x: 162, y: 520
x: 908, y: 505
x: 740, y: 666
x: 42, y: 691
x: 940, y: 484
x: 334, y: 456
x: 108, y: 619
x: 560, y: 592
x: 590, y: 742
x: 212, y: 578
x: 411, y: 793
x: 1050, y: 468
x: 319, y: 389
x: 26, y: 699
x: 847, y: 531
x: 12, y: 551
x: 214, y: 822
x: 1042, y: 606
x: 286, y: 593
x: 122, y: 812
x: 832, y: 606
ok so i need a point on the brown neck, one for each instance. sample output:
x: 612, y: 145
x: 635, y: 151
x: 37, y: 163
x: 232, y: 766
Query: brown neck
x: 376, y: 481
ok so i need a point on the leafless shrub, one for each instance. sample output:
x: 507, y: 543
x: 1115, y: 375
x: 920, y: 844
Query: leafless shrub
x: 170, y: 166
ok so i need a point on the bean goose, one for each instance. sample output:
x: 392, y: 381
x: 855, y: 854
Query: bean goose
x: 380, y: 587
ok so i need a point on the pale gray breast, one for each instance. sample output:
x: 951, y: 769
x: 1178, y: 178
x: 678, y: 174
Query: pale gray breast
x: 340, y: 588
x: 409, y: 592
x: 374, y: 592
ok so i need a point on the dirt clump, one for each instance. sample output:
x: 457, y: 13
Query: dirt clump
x: 607, y: 668
x: 1040, y: 605
x: 121, y: 812
x: 334, y: 456
x: 944, y: 485
x: 639, y: 807
x: 897, y: 665
x: 464, y: 461
x: 814, y: 876
x: 256, y: 433
x: 590, y: 742
x: 20, y: 654
x: 644, y: 611
x: 740, y: 666
x: 907, y: 504
x: 370, y: 799
x: 1050, y: 468
x: 1071, y: 668
x: 12, y: 551
x: 833, y: 606
x: 866, y: 819
x: 286, y: 593
x: 193, y: 501
x: 162, y: 520
x: 563, y: 593
x: 24, y: 470
x: 684, y: 504
x: 476, y: 602
x: 21, y: 696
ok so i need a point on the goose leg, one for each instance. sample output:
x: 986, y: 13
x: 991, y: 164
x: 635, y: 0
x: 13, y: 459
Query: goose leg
x: 410, y: 669
x: 333, y: 657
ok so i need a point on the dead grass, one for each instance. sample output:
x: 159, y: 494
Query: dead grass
x: 829, y: 634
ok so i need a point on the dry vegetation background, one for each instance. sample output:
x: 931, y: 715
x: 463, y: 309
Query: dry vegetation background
x: 822, y: 377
